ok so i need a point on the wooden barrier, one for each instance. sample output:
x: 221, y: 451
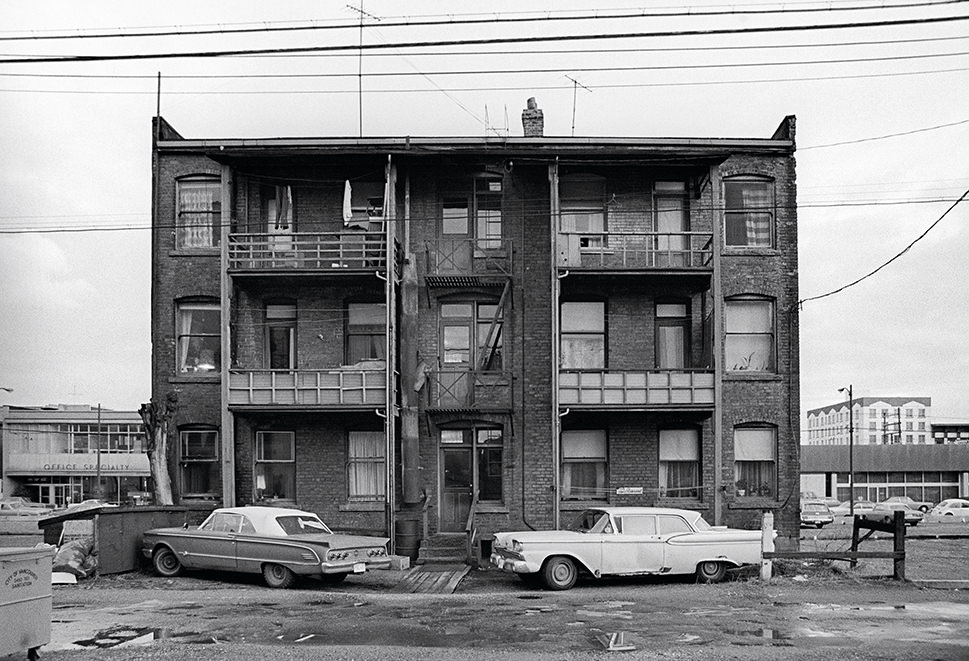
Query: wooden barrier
x: 852, y: 555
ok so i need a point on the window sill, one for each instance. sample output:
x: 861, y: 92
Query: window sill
x: 200, y: 378
x: 754, y: 503
x: 737, y: 251
x: 195, y: 252
x: 752, y: 376
x: 363, y: 506
x: 491, y: 508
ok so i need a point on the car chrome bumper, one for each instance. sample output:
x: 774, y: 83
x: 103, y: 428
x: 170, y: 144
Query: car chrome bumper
x: 355, y: 567
x: 514, y: 565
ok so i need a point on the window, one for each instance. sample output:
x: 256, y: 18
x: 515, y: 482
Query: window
x: 455, y: 216
x: 199, y: 214
x: 275, y: 468
x: 583, y: 335
x: 366, y: 332
x: 582, y: 209
x: 462, y: 321
x: 671, y: 208
x: 281, y: 336
x: 909, y: 413
x: 584, y: 465
x: 748, y: 212
x: 749, y: 342
x: 754, y: 460
x: 487, y: 213
x: 672, y: 335
x: 472, y: 460
x: 488, y: 446
x: 366, y: 204
x: 365, y: 466
x: 199, y: 332
x: 669, y: 525
x: 679, y: 463
x: 198, y: 460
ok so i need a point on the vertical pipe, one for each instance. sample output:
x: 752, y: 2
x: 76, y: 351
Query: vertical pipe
x: 718, y: 329
x: 227, y: 426
x: 553, y: 178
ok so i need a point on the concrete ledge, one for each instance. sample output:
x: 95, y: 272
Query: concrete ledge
x: 941, y: 584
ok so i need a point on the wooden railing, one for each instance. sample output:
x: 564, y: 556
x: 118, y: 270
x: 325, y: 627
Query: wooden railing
x: 324, y: 251
x: 311, y: 388
x: 469, y: 257
x: 469, y: 388
x: 636, y: 250
x: 619, y: 388
x: 471, y: 531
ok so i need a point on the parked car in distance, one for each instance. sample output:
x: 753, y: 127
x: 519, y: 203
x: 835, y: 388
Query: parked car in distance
x: 626, y: 541
x: 278, y: 542
x: 886, y: 512
x: 19, y: 506
x: 815, y: 514
x: 920, y: 505
x: 951, y: 507
x: 844, y: 509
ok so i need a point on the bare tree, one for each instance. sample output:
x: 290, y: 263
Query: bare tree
x: 157, y: 419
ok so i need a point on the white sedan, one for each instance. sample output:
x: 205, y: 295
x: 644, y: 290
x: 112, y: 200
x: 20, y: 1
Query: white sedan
x: 626, y: 541
x: 951, y: 507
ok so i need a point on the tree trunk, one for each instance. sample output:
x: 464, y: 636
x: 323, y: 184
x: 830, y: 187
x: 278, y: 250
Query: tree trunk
x: 157, y: 420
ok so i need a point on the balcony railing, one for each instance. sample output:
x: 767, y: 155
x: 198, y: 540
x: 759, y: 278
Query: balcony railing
x: 629, y: 388
x: 325, y: 251
x: 641, y: 250
x: 333, y: 388
x: 469, y: 389
x: 469, y: 257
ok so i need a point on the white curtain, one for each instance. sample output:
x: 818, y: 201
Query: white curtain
x: 679, y: 445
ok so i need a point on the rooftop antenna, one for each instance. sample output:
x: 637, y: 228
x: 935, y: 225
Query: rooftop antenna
x: 362, y: 13
x: 575, y: 87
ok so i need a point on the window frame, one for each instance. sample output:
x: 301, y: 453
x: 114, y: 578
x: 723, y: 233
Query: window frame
x: 770, y: 366
x: 182, y: 355
x: 581, y: 205
x: 683, y: 321
x: 370, y: 331
x: 476, y: 324
x: 277, y: 316
x: 767, y: 487
x: 214, y: 213
x: 580, y: 334
x: 744, y: 213
x: 377, y: 462
x: 694, y: 491
x: 259, y: 460
x: 600, y: 463
x: 186, y: 460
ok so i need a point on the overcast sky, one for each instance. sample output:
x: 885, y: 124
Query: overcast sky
x: 882, y: 132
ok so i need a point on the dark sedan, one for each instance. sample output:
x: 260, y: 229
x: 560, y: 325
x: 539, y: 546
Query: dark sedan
x: 277, y: 542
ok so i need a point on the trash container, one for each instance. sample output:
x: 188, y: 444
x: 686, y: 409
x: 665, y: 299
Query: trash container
x: 25, y: 599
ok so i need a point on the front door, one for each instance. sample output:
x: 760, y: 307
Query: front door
x: 457, y: 487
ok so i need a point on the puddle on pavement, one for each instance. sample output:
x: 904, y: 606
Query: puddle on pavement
x: 130, y: 636
x: 763, y: 636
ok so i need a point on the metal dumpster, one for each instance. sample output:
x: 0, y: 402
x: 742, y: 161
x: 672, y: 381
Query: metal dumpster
x: 25, y: 599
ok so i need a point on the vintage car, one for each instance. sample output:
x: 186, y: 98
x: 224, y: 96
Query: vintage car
x: 278, y: 542
x: 844, y: 509
x: 951, y: 507
x: 815, y: 514
x: 922, y: 506
x: 885, y: 512
x: 626, y: 541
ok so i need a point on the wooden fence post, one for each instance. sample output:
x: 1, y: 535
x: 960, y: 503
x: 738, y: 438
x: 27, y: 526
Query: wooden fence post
x: 854, y: 541
x: 898, y: 536
x: 766, y: 545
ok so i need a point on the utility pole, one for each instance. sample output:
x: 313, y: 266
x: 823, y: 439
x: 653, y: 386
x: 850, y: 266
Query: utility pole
x: 851, y: 449
x: 98, y: 491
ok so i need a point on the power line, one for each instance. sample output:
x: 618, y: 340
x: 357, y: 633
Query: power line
x: 497, y: 40
x: 490, y: 19
x: 882, y: 137
x: 511, y: 88
x: 904, y: 250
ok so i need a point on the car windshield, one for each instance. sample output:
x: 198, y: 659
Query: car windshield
x: 590, y: 521
x: 302, y: 524
x: 814, y: 507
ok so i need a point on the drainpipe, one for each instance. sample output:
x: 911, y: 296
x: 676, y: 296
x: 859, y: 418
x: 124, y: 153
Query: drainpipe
x: 553, y: 180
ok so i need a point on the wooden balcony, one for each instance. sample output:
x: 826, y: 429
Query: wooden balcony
x: 660, y: 251
x: 467, y: 262
x: 330, y: 252
x: 465, y: 389
x: 338, y: 388
x: 655, y: 389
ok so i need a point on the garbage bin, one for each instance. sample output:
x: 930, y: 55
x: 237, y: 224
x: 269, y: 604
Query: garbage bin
x: 25, y: 599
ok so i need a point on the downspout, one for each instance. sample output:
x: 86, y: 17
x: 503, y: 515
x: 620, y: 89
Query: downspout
x: 225, y: 306
x: 410, y: 428
x: 553, y: 179
x: 390, y: 339
x: 717, y: 330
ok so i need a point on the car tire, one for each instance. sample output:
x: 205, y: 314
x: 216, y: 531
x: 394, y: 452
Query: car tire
x: 923, y: 509
x: 711, y: 571
x: 277, y: 576
x: 559, y: 573
x: 819, y: 525
x: 333, y: 579
x: 948, y: 514
x: 166, y: 563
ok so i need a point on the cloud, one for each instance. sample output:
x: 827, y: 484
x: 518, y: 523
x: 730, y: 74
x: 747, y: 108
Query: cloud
x: 35, y: 274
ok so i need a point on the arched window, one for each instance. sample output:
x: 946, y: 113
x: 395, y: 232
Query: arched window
x: 199, y: 212
x: 749, y: 340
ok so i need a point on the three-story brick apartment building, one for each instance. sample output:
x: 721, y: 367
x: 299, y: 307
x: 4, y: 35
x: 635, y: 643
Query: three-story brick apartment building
x: 439, y: 338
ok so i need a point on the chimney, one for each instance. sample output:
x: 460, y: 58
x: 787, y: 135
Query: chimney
x: 533, y: 121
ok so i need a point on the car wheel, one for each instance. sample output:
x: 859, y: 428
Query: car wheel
x: 711, y: 571
x: 819, y: 525
x: 923, y: 509
x: 333, y: 579
x: 559, y: 573
x: 948, y: 514
x: 166, y: 563
x: 277, y: 576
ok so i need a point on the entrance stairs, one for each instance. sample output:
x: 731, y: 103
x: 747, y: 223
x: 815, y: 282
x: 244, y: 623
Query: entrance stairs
x: 443, y: 548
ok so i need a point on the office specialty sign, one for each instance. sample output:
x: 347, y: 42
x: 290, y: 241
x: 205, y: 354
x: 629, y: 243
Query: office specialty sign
x: 135, y: 463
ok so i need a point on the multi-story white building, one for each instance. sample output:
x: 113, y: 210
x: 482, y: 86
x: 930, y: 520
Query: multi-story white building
x: 876, y: 421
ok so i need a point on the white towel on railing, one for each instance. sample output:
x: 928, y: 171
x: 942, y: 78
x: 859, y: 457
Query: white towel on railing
x: 347, y: 207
